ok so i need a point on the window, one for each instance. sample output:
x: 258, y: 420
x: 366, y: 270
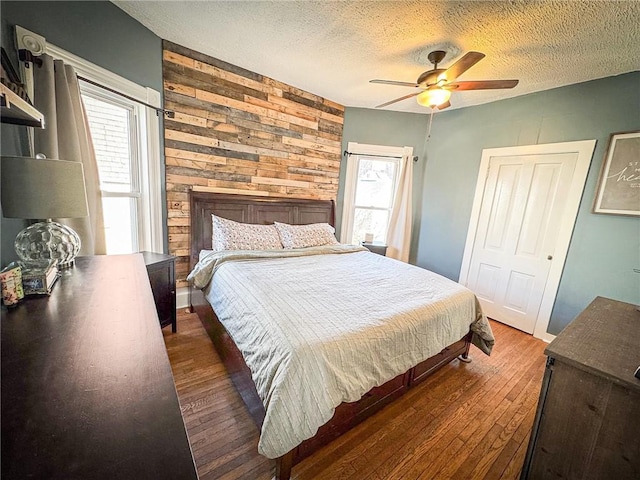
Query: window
x: 374, y: 192
x: 112, y: 122
x: 371, y: 183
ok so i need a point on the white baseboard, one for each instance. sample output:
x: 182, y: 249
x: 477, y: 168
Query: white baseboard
x: 547, y: 337
x: 183, y: 299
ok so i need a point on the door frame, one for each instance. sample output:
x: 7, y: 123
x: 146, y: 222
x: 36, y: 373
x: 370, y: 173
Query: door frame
x: 584, y: 149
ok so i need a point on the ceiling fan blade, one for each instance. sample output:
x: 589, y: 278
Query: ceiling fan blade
x: 398, y: 99
x: 482, y: 85
x: 393, y: 82
x: 446, y: 104
x: 462, y: 65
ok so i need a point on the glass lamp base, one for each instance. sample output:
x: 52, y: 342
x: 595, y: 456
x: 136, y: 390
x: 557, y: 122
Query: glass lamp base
x: 44, y: 243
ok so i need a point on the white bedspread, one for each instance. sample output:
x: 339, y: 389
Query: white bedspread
x: 317, y: 330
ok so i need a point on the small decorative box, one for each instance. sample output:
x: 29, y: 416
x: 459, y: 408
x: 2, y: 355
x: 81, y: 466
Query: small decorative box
x: 39, y: 282
x: 11, y: 281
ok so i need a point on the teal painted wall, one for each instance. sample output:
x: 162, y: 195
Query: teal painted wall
x: 97, y: 31
x: 604, y: 249
x: 379, y: 127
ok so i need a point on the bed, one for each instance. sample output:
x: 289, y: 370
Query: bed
x: 307, y: 338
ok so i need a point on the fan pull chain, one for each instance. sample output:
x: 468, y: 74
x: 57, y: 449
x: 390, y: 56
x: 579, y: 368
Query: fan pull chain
x: 430, y: 122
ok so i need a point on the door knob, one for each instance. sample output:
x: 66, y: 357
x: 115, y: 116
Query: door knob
x: 549, y: 257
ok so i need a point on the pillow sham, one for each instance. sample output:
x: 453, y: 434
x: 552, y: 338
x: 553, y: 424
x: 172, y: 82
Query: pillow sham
x: 230, y: 235
x: 301, y: 236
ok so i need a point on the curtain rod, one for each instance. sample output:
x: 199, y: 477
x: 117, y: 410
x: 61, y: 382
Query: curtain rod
x: 168, y: 113
x: 27, y: 56
x: 347, y: 154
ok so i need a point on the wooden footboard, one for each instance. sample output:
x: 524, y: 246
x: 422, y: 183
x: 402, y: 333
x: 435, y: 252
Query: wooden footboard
x: 347, y: 415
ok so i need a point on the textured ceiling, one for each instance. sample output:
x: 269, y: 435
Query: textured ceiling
x: 333, y: 48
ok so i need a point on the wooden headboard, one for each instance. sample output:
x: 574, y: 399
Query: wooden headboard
x: 251, y: 209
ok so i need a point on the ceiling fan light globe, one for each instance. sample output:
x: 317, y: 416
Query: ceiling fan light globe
x: 434, y: 97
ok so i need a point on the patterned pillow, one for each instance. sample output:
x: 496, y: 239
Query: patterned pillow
x: 301, y: 236
x: 230, y: 235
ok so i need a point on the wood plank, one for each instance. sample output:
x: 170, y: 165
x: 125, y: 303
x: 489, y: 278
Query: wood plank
x: 325, y: 106
x: 190, y: 138
x: 331, y: 135
x: 207, y: 150
x: 249, y: 188
x: 216, y: 72
x: 174, y: 57
x: 229, y: 190
x: 181, y: 221
x: 279, y: 181
x: 180, y: 89
x: 335, y: 149
x: 325, y: 141
x: 296, y: 111
x: 174, y: 47
x: 291, y: 106
x: 200, y: 80
x: 190, y: 119
x: 193, y: 108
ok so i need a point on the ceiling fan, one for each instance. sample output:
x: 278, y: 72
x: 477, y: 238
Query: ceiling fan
x: 436, y: 85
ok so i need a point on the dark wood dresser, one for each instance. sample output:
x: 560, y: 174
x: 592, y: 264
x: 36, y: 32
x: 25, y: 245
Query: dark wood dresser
x: 162, y: 276
x: 587, y: 425
x: 87, y: 389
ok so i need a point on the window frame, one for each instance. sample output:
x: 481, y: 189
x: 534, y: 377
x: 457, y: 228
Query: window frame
x: 360, y: 151
x: 149, y: 218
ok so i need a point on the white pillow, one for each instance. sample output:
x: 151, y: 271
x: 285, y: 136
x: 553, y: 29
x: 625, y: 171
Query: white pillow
x: 301, y: 236
x: 230, y: 235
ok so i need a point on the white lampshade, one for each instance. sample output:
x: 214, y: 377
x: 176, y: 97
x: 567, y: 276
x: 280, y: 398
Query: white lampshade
x: 433, y: 97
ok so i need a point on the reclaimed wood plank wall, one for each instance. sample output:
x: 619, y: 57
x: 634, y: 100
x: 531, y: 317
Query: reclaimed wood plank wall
x: 237, y: 131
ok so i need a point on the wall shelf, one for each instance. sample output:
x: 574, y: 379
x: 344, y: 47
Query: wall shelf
x: 14, y: 109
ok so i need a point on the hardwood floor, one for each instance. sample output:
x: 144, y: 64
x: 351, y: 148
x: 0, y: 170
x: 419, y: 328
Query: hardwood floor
x: 468, y: 421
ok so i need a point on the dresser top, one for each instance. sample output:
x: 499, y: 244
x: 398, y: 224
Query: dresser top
x: 87, y: 389
x: 604, y: 339
x: 151, y: 258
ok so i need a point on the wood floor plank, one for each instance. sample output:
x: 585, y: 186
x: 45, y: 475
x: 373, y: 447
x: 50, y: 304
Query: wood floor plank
x: 465, y: 421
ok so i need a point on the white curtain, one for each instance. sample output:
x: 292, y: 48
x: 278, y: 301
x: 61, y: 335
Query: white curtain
x: 399, y: 234
x: 67, y: 137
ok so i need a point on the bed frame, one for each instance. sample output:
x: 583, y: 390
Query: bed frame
x: 265, y: 210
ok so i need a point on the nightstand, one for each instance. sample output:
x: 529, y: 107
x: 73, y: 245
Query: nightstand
x: 162, y: 276
x: 379, y: 248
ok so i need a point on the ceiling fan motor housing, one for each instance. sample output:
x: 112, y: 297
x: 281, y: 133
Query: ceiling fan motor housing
x: 430, y: 77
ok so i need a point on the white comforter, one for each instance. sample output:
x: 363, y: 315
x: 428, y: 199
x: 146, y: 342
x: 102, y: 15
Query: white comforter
x: 317, y: 329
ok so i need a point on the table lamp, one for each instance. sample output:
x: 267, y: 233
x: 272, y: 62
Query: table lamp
x: 42, y: 189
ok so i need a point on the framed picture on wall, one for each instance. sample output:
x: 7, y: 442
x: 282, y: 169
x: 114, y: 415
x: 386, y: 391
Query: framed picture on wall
x: 618, y: 189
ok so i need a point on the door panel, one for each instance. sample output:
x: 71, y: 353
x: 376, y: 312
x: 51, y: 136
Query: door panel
x: 523, y: 202
x: 487, y: 280
x: 538, y: 210
x: 506, y: 182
